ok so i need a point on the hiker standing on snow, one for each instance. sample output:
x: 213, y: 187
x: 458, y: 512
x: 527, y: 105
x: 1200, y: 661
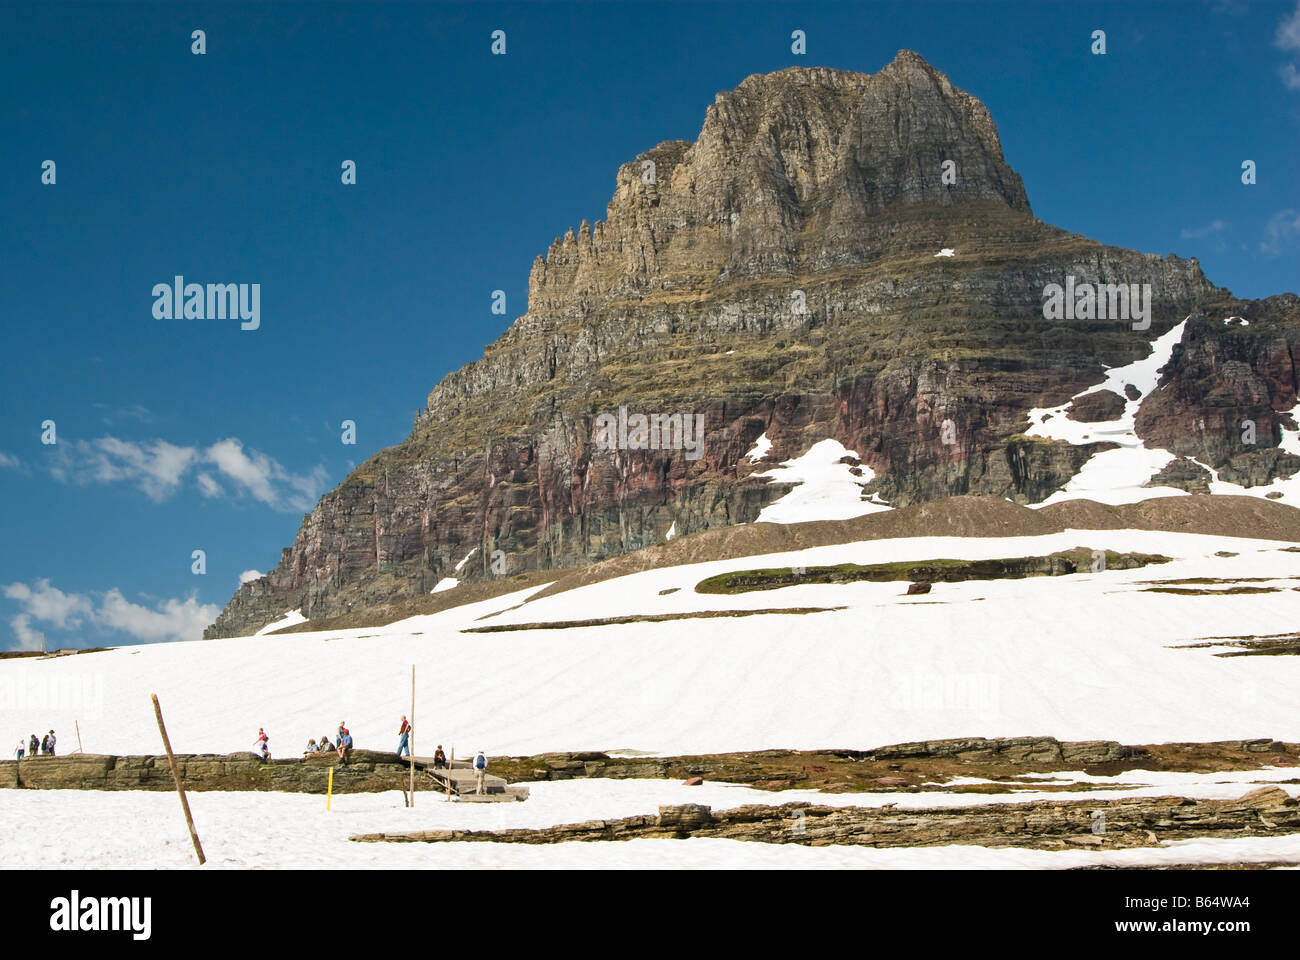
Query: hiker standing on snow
x: 480, y: 773
x: 404, y: 738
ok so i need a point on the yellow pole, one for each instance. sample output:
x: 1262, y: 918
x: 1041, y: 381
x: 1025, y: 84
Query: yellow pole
x: 329, y: 791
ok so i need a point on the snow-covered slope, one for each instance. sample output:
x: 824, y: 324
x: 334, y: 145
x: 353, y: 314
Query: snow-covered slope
x: 1077, y: 657
x: 144, y: 830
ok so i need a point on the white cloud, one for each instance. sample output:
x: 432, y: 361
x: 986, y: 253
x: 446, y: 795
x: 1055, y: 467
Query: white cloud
x: 1196, y: 233
x: 9, y: 460
x: 155, y: 466
x: 174, y: 620
x: 1288, y: 38
x: 50, y: 604
x: 253, y: 473
x: 1280, y: 231
x: 27, y: 638
x: 1288, y: 31
x: 248, y: 576
x: 209, y: 487
x: 158, y: 467
x: 171, y: 620
x: 263, y: 478
x: 135, y: 411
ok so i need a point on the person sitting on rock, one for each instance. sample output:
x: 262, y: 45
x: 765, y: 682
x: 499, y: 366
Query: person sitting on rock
x: 311, y: 748
x: 344, y: 743
x: 325, y: 746
x: 439, y: 759
x: 262, y: 748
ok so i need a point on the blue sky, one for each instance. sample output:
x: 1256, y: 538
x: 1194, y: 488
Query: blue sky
x: 182, y: 435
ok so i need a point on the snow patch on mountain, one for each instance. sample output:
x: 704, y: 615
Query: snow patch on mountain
x: 759, y: 450
x: 826, y: 487
x: 1113, y: 476
x: 290, y: 618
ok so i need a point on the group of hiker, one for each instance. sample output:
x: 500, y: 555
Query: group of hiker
x: 43, y: 747
x: 262, y: 748
x: 343, y: 746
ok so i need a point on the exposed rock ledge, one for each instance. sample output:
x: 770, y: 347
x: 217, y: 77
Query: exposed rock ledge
x: 905, y: 766
x: 367, y: 771
x: 1132, y: 822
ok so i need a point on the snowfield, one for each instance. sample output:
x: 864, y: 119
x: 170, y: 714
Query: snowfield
x: 1086, y: 656
x: 144, y: 830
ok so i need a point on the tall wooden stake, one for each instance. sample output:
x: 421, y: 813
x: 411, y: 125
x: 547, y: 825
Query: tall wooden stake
x: 410, y: 737
x: 176, y: 775
x: 78, y: 725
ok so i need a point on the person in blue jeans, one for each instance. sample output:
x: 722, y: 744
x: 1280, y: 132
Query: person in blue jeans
x: 404, y: 738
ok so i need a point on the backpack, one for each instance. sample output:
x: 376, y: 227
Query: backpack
x: 480, y: 762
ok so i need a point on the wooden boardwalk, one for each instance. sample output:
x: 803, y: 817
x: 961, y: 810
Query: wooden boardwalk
x: 460, y: 780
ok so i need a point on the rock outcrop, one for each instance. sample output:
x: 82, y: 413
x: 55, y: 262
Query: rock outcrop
x: 779, y: 276
x: 896, y: 767
x: 1047, y: 825
x: 366, y: 772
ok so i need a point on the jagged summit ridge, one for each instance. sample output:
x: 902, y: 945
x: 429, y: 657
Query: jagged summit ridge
x: 791, y: 170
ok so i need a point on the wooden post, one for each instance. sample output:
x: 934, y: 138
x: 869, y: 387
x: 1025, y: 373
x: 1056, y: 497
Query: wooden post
x: 329, y: 790
x: 176, y: 775
x: 79, y: 748
x: 410, y: 737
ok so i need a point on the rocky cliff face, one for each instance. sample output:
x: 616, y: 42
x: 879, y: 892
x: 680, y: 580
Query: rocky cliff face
x: 779, y: 276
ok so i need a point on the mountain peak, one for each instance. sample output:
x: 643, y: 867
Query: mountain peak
x: 774, y: 283
x: 803, y: 168
x: 910, y: 58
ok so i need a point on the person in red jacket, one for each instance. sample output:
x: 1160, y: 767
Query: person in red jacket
x: 404, y: 738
